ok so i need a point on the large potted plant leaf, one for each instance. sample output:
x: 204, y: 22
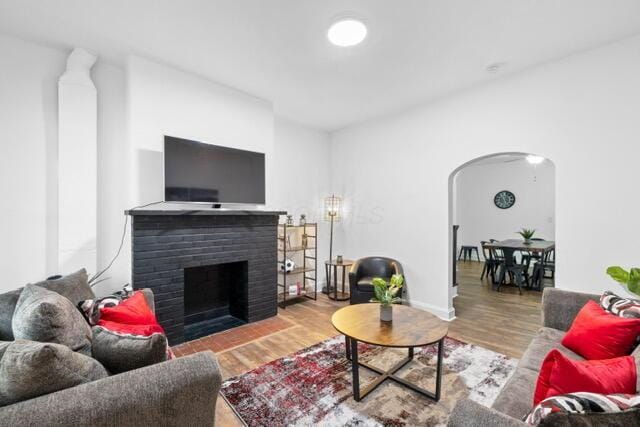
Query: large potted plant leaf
x: 631, y: 278
x: 387, y: 294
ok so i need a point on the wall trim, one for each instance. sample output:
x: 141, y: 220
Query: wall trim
x: 445, y: 314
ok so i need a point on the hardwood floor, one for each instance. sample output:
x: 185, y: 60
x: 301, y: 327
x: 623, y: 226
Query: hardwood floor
x: 504, y: 322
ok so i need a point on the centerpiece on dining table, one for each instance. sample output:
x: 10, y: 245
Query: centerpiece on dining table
x: 527, y: 234
x: 386, y: 293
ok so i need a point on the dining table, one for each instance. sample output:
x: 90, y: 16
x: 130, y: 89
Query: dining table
x: 540, y: 247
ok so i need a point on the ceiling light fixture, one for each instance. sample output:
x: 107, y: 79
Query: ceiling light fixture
x: 535, y: 160
x: 347, y: 32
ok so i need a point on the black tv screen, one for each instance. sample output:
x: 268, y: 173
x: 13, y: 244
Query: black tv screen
x: 199, y: 172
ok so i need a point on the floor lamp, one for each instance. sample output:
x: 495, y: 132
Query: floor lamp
x: 332, y: 213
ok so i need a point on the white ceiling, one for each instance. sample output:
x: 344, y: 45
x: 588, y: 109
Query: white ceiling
x: 417, y: 50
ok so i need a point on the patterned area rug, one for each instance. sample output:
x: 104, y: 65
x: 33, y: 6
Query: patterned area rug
x: 313, y: 386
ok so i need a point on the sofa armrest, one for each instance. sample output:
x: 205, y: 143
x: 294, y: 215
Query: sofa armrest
x: 468, y: 413
x: 148, y: 296
x: 559, y: 307
x: 177, y: 392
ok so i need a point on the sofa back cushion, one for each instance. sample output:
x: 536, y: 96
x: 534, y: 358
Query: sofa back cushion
x: 45, y: 316
x: 620, y: 306
x: 74, y: 286
x: 29, y: 369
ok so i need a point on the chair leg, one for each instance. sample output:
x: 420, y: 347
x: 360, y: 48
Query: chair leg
x: 518, y: 277
x: 460, y: 254
x: 484, y: 270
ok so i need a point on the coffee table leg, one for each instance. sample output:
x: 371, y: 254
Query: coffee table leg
x: 439, y: 369
x: 354, y: 369
x: 347, y: 345
x: 410, y: 352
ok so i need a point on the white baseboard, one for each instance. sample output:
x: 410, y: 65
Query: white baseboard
x: 445, y: 314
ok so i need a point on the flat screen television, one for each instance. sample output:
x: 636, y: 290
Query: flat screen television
x: 199, y: 172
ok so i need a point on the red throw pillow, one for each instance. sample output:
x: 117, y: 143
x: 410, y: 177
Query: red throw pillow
x: 596, y: 334
x: 561, y: 375
x: 132, y: 311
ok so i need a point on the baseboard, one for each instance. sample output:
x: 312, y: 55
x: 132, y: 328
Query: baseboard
x: 444, y: 314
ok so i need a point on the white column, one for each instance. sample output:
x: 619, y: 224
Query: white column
x: 77, y: 164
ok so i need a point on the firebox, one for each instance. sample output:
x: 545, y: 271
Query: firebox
x: 215, y: 298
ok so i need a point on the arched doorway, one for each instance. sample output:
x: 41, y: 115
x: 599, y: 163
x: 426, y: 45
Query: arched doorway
x: 491, y: 198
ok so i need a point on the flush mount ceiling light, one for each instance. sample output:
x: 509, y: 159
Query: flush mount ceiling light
x: 347, y: 32
x: 535, y: 160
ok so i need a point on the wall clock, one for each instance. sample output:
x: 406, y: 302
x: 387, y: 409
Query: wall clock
x: 504, y: 199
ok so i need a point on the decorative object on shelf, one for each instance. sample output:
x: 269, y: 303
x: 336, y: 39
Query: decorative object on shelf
x: 305, y: 240
x: 386, y: 295
x: 339, y: 259
x: 527, y: 234
x: 288, y: 242
x: 289, y: 220
x: 631, y: 278
x: 303, y: 219
x: 288, y: 265
x: 504, y: 199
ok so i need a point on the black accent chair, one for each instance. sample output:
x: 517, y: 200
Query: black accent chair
x: 363, y: 272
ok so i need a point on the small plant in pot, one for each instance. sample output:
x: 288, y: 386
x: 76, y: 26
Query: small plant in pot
x: 387, y: 294
x: 527, y: 234
x: 631, y: 278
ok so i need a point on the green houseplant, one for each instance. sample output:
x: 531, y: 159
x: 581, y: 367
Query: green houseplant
x: 527, y: 234
x: 629, y: 278
x: 387, y: 294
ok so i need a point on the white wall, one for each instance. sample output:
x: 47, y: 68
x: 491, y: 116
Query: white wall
x: 28, y: 161
x: 581, y: 112
x: 302, y: 178
x: 480, y: 219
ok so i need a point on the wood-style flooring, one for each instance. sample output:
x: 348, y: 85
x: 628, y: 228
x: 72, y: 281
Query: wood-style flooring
x: 504, y: 322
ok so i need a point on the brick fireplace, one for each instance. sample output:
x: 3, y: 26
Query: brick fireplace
x: 209, y: 269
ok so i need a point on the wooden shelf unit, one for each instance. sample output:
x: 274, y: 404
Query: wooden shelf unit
x: 305, y: 257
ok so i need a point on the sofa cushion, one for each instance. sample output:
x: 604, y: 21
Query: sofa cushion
x: 596, y: 334
x: 121, y: 352
x: 131, y: 311
x: 46, y: 316
x: 617, y: 406
x: 517, y: 395
x: 8, y: 303
x: 623, y: 307
x: 74, y: 286
x: 29, y: 369
x: 560, y: 375
x: 546, y: 340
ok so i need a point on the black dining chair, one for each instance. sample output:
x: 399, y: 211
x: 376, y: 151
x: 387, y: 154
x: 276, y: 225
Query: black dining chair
x: 490, y: 262
x: 514, y: 270
x: 549, y: 266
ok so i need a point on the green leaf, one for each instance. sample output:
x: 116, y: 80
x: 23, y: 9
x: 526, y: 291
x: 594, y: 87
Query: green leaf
x: 397, y: 280
x: 377, y: 281
x: 634, y: 281
x: 618, y: 274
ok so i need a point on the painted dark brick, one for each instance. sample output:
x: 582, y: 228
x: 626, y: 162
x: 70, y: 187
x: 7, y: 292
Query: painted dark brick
x: 164, y: 245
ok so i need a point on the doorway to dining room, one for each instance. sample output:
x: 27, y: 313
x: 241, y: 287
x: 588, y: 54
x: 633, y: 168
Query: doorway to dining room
x: 491, y: 199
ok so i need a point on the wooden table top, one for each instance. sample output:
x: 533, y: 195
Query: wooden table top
x: 518, y: 244
x: 345, y: 262
x: 410, y: 327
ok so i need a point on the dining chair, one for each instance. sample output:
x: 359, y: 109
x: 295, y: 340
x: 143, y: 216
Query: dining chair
x: 549, y: 266
x: 515, y: 271
x: 490, y: 263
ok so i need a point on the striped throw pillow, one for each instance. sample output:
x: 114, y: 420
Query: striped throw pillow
x: 582, y: 403
x: 623, y: 307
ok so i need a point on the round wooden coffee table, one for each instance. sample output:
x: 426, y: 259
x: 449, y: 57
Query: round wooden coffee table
x: 410, y: 328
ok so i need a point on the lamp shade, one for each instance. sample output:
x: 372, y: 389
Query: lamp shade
x: 332, y: 208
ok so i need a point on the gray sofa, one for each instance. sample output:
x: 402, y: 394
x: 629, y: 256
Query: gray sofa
x: 177, y: 392
x: 514, y: 402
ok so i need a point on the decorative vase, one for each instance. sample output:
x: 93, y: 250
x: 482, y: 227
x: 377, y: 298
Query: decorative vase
x: 527, y: 241
x: 386, y: 312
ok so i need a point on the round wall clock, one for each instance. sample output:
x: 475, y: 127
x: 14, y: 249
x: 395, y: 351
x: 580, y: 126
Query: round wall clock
x: 504, y: 199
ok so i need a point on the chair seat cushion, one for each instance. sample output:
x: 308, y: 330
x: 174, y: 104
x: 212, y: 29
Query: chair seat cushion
x: 365, y: 284
x: 546, y: 340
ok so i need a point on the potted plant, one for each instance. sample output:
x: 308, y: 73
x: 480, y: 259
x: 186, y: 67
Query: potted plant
x: 629, y: 278
x: 387, y: 294
x: 527, y: 234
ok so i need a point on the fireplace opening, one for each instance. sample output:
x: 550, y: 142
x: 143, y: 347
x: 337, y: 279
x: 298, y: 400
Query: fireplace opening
x: 215, y: 298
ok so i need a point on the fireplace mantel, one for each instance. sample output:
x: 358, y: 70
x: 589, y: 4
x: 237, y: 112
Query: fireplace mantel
x: 165, y: 242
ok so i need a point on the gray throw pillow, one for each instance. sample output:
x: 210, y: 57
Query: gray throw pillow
x: 46, y: 316
x: 8, y: 302
x: 124, y: 352
x: 74, y: 286
x: 29, y: 369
